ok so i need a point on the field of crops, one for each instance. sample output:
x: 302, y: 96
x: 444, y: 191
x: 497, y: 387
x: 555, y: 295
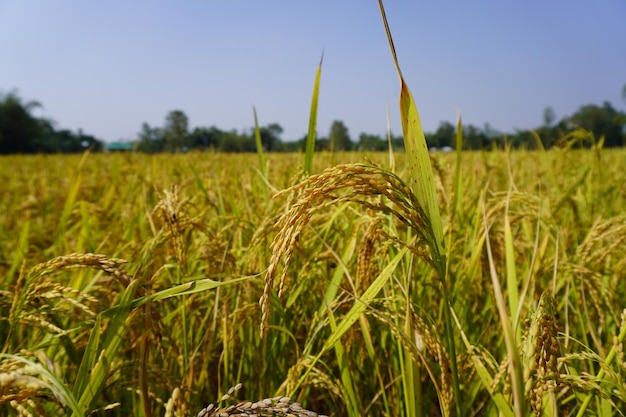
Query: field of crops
x: 150, y: 285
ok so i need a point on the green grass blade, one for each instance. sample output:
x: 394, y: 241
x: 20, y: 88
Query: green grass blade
x: 188, y: 288
x: 199, y: 183
x: 193, y: 287
x: 392, y: 159
x: 310, y: 139
x: 511, y: 273
x: 361, y: 304
x: 423, y: 186
x: 72, y: 195
x: 485, y: 377
x: 259, y: 142
x: 457, y: 170
x: 422, y: 178
x: 22, y: 248
x: 609, y: 358
x: 410, y: 374
x: 347, y: 382
x: 359, y: 307
x: 515, y: 367
x: 89, y: 358
x: 58, y: 387
x: 112, y: 339
x: 259, y: 151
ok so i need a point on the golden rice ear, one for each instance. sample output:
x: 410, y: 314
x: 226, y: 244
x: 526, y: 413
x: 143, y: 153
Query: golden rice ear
x: 171, y: 209
x: 356, y: 183
x: 275, y: 406
x: 541, y: 353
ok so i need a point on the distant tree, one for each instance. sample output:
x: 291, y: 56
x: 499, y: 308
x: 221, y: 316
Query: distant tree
x: 89, y: 141
x: 151, y: 139
x: 270, y: 136
x: 19, y: 129
x: 322, y: 144
x: 205, y: 138
x: 295, y: 146
x: 549, y: 116
x: 602, y: 121
x: 475, y: 138
x: 397, y: 142
x: 231, y: 141
x: 176, y: 126
x: 339, y: 138
x: 369, y: 142
x: 444, y: 136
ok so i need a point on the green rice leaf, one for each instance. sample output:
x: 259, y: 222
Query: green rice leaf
x: 51, y: 381
x: 361, y: 304
x: 515, y: 367
x: 423, y: 186
x: 111, y: 340
x: 187, y: 288
x: 259, y: 142
x: 259, y: 151
x: 511, y: 273
x: 89, y: 358
x: 359, y: 307
x: 310, y: 139
x: 422, y: 178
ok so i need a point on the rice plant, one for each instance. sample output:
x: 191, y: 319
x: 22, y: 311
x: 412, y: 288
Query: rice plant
x: 475, y: 283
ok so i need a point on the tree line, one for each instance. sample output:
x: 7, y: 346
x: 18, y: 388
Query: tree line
x: 22, y: 132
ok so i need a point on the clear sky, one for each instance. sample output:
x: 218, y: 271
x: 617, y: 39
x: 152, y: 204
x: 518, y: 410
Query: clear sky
x: 109, y: 66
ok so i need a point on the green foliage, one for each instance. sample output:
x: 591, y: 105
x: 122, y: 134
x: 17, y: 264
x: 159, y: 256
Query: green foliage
x: 21, y: 132
x: 338, y: 137
x: 175, y: 131
x: 310, y: 139
x: 18, y: 128
x: 151, y: 139
x: 369, y: 142
x: 602, y: 121
x: 443, y: 137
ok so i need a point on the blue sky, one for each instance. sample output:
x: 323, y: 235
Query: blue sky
x: 107, y: 67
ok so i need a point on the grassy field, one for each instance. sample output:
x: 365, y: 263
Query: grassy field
x: 149, y: 285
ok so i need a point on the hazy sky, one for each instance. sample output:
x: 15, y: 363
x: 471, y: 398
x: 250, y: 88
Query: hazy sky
x: 109, y: 66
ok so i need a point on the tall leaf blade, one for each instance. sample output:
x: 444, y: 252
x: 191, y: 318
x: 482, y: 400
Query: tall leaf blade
x: 259, y: 151
x: 422, y: 178
x: 423, y: 186
x: 259, y: 143
x: 111, y: 340
x: 89, y: 359
x: 358, y: 308
x: 310, y: 139
x: 50, y: 380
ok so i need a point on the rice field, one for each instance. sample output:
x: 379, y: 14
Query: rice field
x: 150, y: 285
x: 469, y: 284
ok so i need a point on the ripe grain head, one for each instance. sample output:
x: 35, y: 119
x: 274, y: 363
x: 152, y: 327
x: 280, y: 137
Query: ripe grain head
x: 362, y: 184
